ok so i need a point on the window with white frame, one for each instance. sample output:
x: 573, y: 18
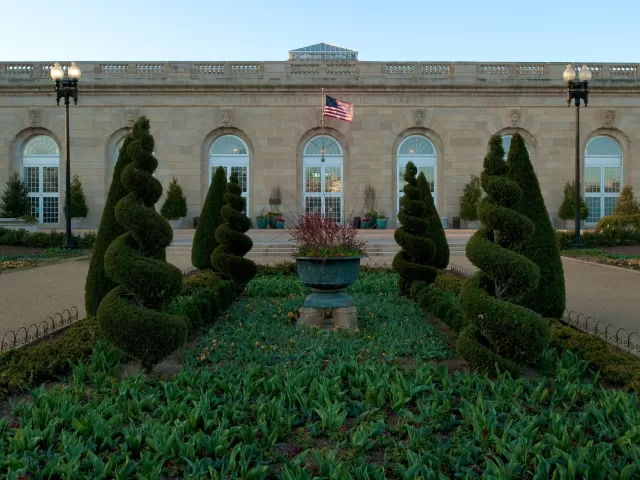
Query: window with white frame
x: 322, y: 182
x: 231, y: 153
x: 602, y: 177
x: 116, y: 155
x: 41, y: 174
x: 506, y: 145
x: 419, y: 150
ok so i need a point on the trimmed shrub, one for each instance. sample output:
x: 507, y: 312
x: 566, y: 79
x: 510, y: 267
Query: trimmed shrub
x: 175, y: 205
x: 204, y: 240
x: 51, y: 239
x: 442, y: 304
x: 618, y: 224
x: 228, y: 258
x: 626, y: 205
x: 201, y: 279
x: 568, y: 206
x: 15, y: 200
x: 129, y: 315
x: 548, y: 298
x: 501, y: 333
x: 606, y: 238
x: 98, y: 284
x: 79, y: 208
x: 448, y: 283
x: 413, y: 261
x: 435, y: 230
x: 469, y: 199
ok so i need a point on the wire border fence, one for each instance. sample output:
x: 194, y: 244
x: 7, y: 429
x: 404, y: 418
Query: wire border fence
x: 620, y: 338
x: 34, y: 332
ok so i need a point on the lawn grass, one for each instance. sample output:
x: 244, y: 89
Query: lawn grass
x: 260, y: 398
x: 51, y: 255
x: 598, y: 255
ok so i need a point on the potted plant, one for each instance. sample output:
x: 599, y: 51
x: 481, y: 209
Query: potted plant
x: 373, y: 217
x: 365, y: 223
x: 79, y: 209
x: 174, y: 208
x: 328, y: 258
x: 261, y: 221
x: 279, y: 222
x: 381, y: 221
x: 271, y: 217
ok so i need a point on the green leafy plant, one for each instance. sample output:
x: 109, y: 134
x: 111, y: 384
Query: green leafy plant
x: 413, y: 261
x: 129, y: 315
x: 471, y: 195
x: 228, y: 257
x: 435, y: 230
x: 175, y: 205
x: 501, y: 333
x: 568, y: 206
x: 79, y: 208
x: 204, y: 240
x: 626, y: 204
x: 15, y: 199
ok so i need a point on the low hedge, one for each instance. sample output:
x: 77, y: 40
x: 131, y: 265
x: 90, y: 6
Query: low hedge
x: 445, y: 305
x: 49, y: 359
x: 592, y: 239
x: 22, y: 238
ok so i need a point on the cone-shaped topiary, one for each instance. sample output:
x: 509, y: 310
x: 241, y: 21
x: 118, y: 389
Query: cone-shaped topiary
x: 175, y: 205
x: 501, y: 333
x: 626, y: 204
x: 435, y: 230
x: 548, y: 299
x: 79, y: 208
x: 128, y: 314
x: 15, y: 198
x: 568, y: 207
x: 204, y: 240
x: 98, y: 284
x: 469, y: 199
x: 412, y: 262
x: 228, y: 257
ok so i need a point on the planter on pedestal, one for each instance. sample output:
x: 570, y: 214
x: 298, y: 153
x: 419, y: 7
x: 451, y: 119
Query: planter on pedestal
x: 76, y: 222
x: 328, y: 279
x: 175, y: 224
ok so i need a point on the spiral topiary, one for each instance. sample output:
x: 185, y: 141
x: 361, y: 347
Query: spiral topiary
x: 501, y: 333
x: 204, y: 240
x: 435, y: 230
x: 128, y: 315
x: 412, y: 262
x: 228, y: 257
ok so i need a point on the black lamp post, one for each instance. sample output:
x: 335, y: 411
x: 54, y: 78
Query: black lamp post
x: 577, y: 90
x: 67, y: 88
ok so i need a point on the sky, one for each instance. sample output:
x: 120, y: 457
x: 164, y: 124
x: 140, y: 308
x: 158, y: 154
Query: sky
x: 246, y: 30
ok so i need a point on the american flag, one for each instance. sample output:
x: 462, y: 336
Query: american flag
x: 337, y: 109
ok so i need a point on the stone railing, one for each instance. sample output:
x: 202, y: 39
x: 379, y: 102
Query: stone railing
x: 292, y: 72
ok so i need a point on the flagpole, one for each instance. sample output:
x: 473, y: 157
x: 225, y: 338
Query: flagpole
x: 322, y: 123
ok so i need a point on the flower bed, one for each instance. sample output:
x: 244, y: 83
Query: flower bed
x: 51, y: 255
x: 262, y: 399
x: 598, y: 255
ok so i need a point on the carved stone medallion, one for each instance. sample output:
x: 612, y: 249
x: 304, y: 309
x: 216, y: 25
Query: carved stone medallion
x: 226, y: 117
x: 34, y: 116
x: 609, y: 117
x: 418, y: 117
x: 130, y: 115
x: 515, y: 117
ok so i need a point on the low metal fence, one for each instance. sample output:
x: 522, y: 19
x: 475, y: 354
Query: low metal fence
x: 27, y: 335
x: 621, y: 338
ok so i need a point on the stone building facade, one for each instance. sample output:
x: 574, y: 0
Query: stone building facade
x: 263, y: 120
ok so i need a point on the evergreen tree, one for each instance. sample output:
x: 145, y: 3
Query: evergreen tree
x: 129, y: 315
x: 435, y: 230
x: 494, y: 164
x: 568, y: 207
x: 15, y: 199
x: 413, y: 261
x: 469, y: 199
x: 204, y: 240
x: 98, y: 284
x: 626, y: 204
x: 541, y: 245
x: 228, y: 257
x: 79, y: 208
x: 175, y: 205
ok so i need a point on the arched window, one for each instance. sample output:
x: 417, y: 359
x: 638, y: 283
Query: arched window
x: 231, y: 153
x: 506, y: 145
x: 322, y: 177
x: 41, y: 174
x: 419, y: 150
x: 602, y: 176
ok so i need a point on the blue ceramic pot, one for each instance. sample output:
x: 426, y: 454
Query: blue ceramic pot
x: 261, y: 222
x: 381, y: 223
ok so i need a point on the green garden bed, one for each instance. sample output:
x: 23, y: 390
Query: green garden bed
x: 49, y: 256
x: 599, y: 255
x: 260, y: 398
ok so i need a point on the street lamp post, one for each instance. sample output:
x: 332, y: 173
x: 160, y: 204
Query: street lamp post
x: 67, y: 89
x: 577, y: 90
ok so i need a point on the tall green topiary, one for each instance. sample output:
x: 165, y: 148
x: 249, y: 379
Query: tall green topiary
x: 413, y: 261
x: 79, y: 208
x: 15, y: 198
x: 204, y: 240
x: 228, y: 257
x: 435, y: 230
x: 175, y: 205
x: 626, y: 204
x: 568, y: 207
x: 98, y: 284
x: 129, y: 315
x: 501, y: 333
x: 469, y: 199
x: 549, y: 298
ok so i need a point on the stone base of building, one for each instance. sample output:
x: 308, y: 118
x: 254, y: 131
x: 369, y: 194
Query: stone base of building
x: 345, y: 318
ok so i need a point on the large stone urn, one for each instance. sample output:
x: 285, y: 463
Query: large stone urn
x: 328, y: 279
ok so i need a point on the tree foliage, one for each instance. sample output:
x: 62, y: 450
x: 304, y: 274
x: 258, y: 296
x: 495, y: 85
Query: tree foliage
x: 204, y: 240
x: 626, y: 204
x: 79, y: 208
x: 469, y: 199
x: 568, y: 207
x: 175, y: 205
x: 15, y: 198
x: 435, y: 230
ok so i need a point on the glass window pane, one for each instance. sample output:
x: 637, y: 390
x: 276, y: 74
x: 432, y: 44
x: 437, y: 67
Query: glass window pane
x: 612, y: 180
x: 401, y: 182
x: 50, y: 179
x: 34, y: 207
x: 593, y: 204
x: 609, y: 204
x: 332, y: 180
x: 313, y: 182
x: 50, y: 210
x: 229, y: 145
x: 592, y: 180
x: 242, y: 177
x: 32, y: 179
x: 313, y: 205
x: 429, y: 172
x: 332, y: 208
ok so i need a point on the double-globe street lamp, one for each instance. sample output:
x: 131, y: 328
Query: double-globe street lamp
x: 577, y: 90
x: 67, y: 88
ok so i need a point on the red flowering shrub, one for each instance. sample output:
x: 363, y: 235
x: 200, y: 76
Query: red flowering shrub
x: 319, y: 236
